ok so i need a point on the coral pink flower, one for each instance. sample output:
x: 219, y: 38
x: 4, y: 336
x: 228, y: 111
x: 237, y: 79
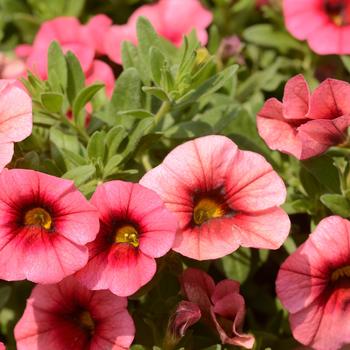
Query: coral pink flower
x: 325, y: 24
x: 11, y: 67
x: 314, y: 286
x: 15, y: 118
x: 135, y: 228
x: 101, y: 72
x: 68, y: 316
x: 223, y: 198
x: 84, y: 41
x: 95, y: 30
x: 44, y: 226
x: 305, y: 125
x: 171, y: 18
x: 222, y: 306
x: 2, y: 346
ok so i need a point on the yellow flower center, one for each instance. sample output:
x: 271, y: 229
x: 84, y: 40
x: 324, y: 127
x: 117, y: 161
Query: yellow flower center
x: 86, y: 322
x: 339, y: 273
x: 127, y: 234
x: 38, y: 217
x: 206, y: 209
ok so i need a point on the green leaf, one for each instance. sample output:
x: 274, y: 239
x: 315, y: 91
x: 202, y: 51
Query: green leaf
x: 74, y: 158
x: 157, y: 61
x: 5, y: 293
x: 237, y: 265
x: 134, y: 139
x: 188, y: 129
x: 289, y: 245
x: 157, y: 92
x: 80, y: 174
x: 346, y: 62
x: 57, y: 68
x: 210, y: 85
x: 96, y: 147
x: 83, y: 97
x: 112, y: 165
x: 114, y: 138
x: 137, y: 113
x: 74, y: 8
x: 324, y: 171
x: 147, y: 37
x: 76, y: 76
x: 127, y: 92
x: 61, y: 140
x: 131, y: 59
x: 52, y: 101
x: 338, y: 204
x: 265, y: 35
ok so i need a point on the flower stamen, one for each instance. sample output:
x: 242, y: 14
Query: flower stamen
x: 206, y: 209
x: 127, y: 234
x: 340, y: 273
x: 38, y: 217
x: 86, y: 322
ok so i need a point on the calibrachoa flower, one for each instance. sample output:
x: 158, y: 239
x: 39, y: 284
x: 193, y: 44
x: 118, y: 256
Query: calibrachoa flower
x: 45, y: 223
x: 221, y: 305
x: 223, y: 198
x: 15, y: 118
x: 314, y: 286
x: 325, y: 24
x: 171, y: 18
x: 68, y: 316
x: 11, y: 67
x: 83, y: 41
x: 186, y: 315
x: 305, y: 125
x: 135, y: 228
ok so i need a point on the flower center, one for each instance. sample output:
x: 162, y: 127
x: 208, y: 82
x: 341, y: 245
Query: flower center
x: 208, y: 208
x: 127, y: 234
x: 340, y: 273
x: 86, y: 322
x: 38, y: 217
x: 338, y: 11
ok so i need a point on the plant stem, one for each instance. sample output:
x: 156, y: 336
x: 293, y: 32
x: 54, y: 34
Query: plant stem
x: 163, y: 110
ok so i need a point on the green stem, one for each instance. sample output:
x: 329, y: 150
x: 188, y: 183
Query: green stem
x: 163, y: 110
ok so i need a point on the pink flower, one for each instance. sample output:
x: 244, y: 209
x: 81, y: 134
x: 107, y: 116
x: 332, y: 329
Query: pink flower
x: 135, y: 229
x: 84, y: 41
x: 325, y: 24
x: 171, y: 18
x: 2, y: 346
x: 314, y: 286
x: 11, y: 67
x: 223, y: 198
x: 68, y: 316
x: 185, y: 316
x: 95, y: 30
x: 44, y: 226
x: 305, y: 125
x: 222, y: 306
x: 15, y: 118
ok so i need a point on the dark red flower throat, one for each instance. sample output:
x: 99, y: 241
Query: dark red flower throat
x: 338, y: 11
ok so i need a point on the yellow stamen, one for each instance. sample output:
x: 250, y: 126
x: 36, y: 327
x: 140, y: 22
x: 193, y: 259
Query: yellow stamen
x: 339, y: 273
x: 338, y: 20
x: 86, y: 321
x: 127, y: 234
x: 207, y: 209
x: 38, y: 217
